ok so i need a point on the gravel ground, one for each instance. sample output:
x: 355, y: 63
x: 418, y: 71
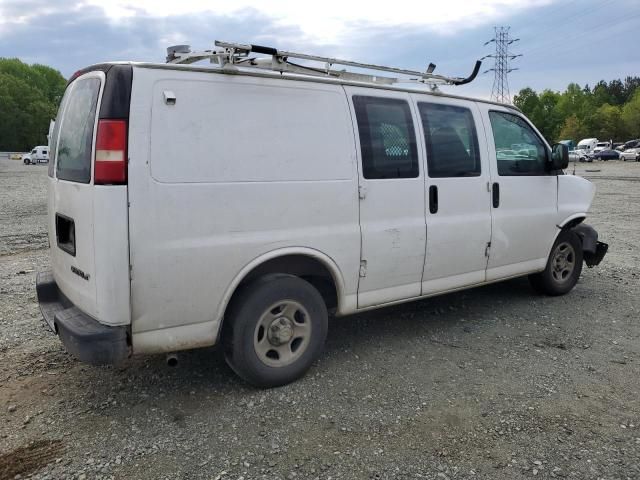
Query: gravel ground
x: 493, y: 383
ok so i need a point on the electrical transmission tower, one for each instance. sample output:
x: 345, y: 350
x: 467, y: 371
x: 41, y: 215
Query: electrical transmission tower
x: 502, y: 57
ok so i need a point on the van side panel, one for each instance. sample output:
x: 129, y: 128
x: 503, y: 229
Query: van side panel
x: 235, y: 168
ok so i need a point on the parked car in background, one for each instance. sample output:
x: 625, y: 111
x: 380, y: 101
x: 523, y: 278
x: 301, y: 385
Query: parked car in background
x: 607, y: 154
x: 631, y: 144
x: 39, y: 154
x: 585, y: 148
x: 574, y: 156
x: 571, y: 145
x: 602, y: 146
x: 632, y: 154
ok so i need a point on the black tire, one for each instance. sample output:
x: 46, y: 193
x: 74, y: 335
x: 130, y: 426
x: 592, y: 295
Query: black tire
x: 248, y: 340
x: 557, y: 278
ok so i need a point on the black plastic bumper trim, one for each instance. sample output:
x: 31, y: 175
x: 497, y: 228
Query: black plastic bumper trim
x: 593, y: 259
x: 592, y: 249
x: 84, y: 337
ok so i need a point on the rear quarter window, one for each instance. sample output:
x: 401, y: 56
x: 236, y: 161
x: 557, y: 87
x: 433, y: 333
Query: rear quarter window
x: 75, y: 137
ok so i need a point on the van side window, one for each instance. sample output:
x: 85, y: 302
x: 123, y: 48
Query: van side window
x: 387, y: 138
x: 519, y: 151
x: 451, y: 140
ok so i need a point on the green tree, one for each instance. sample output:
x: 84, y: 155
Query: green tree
x: 526, y: 100
x: 573, y: 101
x: 617, y: 92
x: 29, y: 98
x: 631, y: 84
x: 606, y: 123
x: 572, y: 129
x: 600, y: 94
x: 631, y: 115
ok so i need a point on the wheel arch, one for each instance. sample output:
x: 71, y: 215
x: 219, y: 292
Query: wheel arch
x: 301, y: 261
x: 571, y: 221
x: 568, y: 223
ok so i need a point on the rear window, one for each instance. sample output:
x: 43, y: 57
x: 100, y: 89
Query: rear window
x: 75, y: 138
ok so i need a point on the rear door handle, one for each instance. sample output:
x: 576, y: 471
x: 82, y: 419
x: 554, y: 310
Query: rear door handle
x: 495, y: 193
x: 433, y: 199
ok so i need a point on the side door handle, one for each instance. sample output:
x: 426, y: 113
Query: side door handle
x: 495, y: 194
x: 433, y: 199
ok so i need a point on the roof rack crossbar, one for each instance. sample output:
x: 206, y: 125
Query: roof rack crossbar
x: 238, y: 54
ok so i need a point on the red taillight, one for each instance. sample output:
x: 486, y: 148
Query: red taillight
x: 111, y: 153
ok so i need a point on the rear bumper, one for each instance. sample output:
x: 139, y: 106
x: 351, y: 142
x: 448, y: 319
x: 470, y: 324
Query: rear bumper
x: 85, y: 338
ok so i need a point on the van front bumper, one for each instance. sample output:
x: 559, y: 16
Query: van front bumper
x: 84, y: 337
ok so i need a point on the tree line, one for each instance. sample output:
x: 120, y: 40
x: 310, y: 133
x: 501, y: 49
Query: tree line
x: 608, y: 111
x: 29, y: 98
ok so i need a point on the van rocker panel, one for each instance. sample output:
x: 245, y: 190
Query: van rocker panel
x: 82, y: 336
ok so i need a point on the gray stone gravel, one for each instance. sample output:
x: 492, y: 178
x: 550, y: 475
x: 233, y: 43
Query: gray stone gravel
x: 491, y: 383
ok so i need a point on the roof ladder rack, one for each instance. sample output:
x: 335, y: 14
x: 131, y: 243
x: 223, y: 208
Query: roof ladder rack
x: 230, y: 55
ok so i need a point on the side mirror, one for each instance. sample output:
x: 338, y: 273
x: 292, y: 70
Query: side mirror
x: 559, y: 156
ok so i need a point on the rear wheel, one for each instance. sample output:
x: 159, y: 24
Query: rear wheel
x: 563, y: 266
x: 274, y: 330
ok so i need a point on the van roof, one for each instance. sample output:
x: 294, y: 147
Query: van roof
x: 285, y: 76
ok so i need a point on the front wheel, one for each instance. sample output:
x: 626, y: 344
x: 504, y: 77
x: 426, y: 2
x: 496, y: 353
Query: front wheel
x: 274, y: 330
x: 563, y: 266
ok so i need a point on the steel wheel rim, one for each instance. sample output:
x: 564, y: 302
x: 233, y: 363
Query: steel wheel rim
x: 282, y: 334
x: 563, y: 262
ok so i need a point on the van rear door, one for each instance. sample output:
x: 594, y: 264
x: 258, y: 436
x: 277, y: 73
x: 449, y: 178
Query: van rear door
x: 87, y: 223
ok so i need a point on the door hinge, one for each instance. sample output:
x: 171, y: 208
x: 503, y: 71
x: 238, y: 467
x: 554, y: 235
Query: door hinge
x: 362, y: 192
x: 487, y: 250
x: 363, y: 268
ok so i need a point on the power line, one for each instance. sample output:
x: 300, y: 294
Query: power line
x: 502, y: 58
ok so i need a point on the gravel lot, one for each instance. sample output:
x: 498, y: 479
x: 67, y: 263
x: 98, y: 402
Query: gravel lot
x: 493, y: 383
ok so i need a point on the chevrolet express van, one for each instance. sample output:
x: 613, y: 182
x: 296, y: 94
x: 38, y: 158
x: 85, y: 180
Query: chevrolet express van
x: 190, y: 206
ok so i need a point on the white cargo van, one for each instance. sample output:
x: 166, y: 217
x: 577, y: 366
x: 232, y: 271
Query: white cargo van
x: 190, y: 206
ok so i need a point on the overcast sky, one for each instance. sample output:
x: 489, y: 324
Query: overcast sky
x: 561, y: 41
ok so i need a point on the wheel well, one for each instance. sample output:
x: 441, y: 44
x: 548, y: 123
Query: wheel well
x: 308, y: 268
x: 572, y: 223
